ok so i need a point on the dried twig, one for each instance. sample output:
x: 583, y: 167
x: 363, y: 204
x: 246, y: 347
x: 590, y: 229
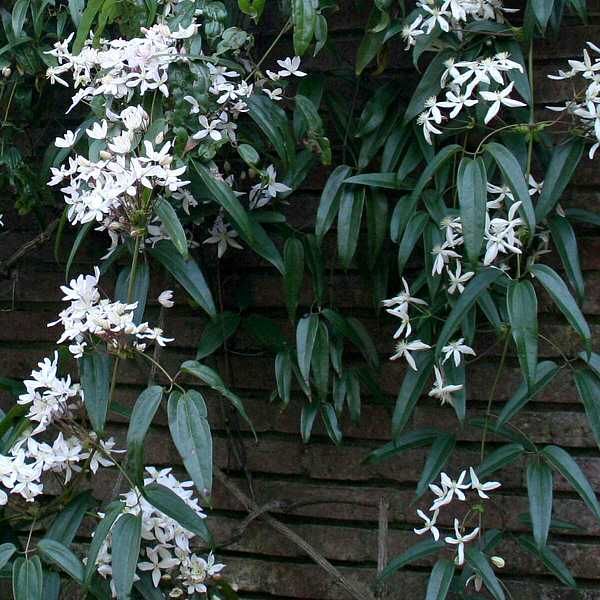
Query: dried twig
x: 251, y: 506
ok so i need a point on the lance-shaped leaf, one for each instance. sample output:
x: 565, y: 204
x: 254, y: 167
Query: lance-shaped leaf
x: 306, y: 333
x: 66, y: 523
x: 561, y: 461
x: 433, y: 166
x: 217, y: 331
x: 565, y: 242
x: 95, y: 375
x: 319, y: 363
x: 513, y: 175
x: 418, y: 551
x: 166, y: 213
x: 7, y: 551
x: 438, y: 456
x: 331, y: 423
x: 539, y: 491
x: 293, y: 261
x: 187, y: 273
x: 521, y: 304
x: 478, y: 561
x: 283, y: 375
x: 307, y: 420
x: 564, y: 161
x: 472, y: 198
x: 388, y: 181
x: 126, y: 535
x: 410, y: 391
x: 59, y: 555
x: 330, y: 201
x: 349, y: 220
x: 544, y: 374
x: 542, y: 9
x: 141, y: 418
x: 190, y: 431
x: 27, y: 580
x: 551, y: 561
x: 406, y: 441
x: 588, y: 388
x: 440, y: 580
x: 304, y: 19
x: 473, y: 290
x: 371, y: 43
x: 103, y: 528
x: 139, y: 289
x: 172, y: 505
x: 412, y: 234
x: 505, y: 455
x: 214, y: 381
x: 559, y: 292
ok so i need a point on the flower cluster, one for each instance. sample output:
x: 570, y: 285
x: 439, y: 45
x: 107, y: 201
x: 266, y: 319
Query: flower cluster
x: 450, y: 15
x: 166, y: 552
x: 52, y: 400
x: 90, y: 317
x: 585, y: 106
x: 461, y: 82
x: 448, y: 491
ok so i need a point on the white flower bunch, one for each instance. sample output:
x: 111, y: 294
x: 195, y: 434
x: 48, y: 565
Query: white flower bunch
x: 585, y: 106
x: 450, y: 16
x: 88, y: 316
x: 460, y: 84
x: 167, y: 551
x: 448, y: 491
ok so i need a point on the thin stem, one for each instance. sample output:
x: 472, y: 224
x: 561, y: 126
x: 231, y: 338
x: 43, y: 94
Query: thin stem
x: 283, y: 31
x: 162, y: 370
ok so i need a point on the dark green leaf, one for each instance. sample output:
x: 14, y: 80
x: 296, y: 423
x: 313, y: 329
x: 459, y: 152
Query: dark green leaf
x: 293, y: 278
x: 565, y: 242
x: 66, y: 523
x: 217, y: 331
x: 59, y: 555
x: 371, y: 43
x: 438, y: 456
x: 505, y: 455
x: 85, y: 24
x: 551, y: 561
x: 166, y: 213
x: 307, y: 420
x: 349, y: 220
x: 330, y: 200
x: 432, y: 168
x: 480, y: 564
x: 320, y: 361
x: 304, y: 20
x: 542, y: 9
x: 139, y: 289
x: 420, y: 550
x: 539, y: 491
x: 306, y: 333
x: 387, y: 181
x: 331, y: 423
x: 126, y: 535
x: 407, y: 441
x: 440, y: 580
x: 27, y: 579
x: 103, y: 528
x: 19, y: 14
x: 412, y: 234
x: 588, y: 388
x: 6, y: 553
x: 472, y: 197
x: 95, y: 375
x: 283, y: 375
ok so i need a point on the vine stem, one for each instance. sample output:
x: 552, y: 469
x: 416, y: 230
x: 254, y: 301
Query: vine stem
x: 283, y: 31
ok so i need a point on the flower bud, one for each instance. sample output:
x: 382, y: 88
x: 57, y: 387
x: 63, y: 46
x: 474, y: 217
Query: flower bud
x: 104, y: 155
x: 6, y: 72
x: 498, y: 561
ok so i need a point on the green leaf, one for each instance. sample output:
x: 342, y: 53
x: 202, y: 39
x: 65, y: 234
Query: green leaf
x: 349, y: 220
x: 330, y: 201
x: 214, y: 381
x: 66, y: 523
x: 190, y: 431
x: 224, y: 196
x: 248, y: 154
x: 565, y: 242
x: 166, y: 213
x: 307, y: 420
x: 521, y: 303
x: 420, y: 550
x: 320, y: 361
x: 432, y: 168
x: 217, y: 331
x: 95, y: 375
x: 562, y: 462
x: 173, y: 506
x: 19, y: 14
x: 588, y: 388
x: 412, y: 234
x: 139, y: 289
x: 27, y: 579
x: 440, y: 580
x: 551, y: 561
x: 564, y: 161
x: 370, y: 45
x: 505, y: 455
x: 283, y: 375
x: 85, y: 24
x: 559, y: 292
x: 293, y: 278
x: 187, y: 273
x: 377, y: 225
x: 6, y: 553
x: 59, y: 555
x: 480, y: 564
x: 126, y: 535
x: 513, y: 175
x: 306, y: 333
x: 410, y: 391
x: 304, y: 19
x: 592, y: 359
x: 479, y: 284
x: 330, y: 421
x: 407, y: 441
x: 542, y: 9
x: 103, y: 528
x: 544, y: 374
x: 539, y: 491
x: 388, y: 181
x: 141, y: 418
x: 472, y: 197
x: 438, y: 456
x: 253, y: 8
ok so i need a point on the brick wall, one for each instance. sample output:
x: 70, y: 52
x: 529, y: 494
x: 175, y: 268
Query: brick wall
x: 324, y: 493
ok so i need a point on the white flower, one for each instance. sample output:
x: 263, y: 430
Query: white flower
x: 460, y: 540
x: 429, y: 525
x: 458, y: 278
x: 455, y: 350
x: 442, y: 255
x: 68, y: 140
x: 498, y: 99
x: 404, y: 349
x: 195, y: 107
x: 208, y: 129
x: 403, y: 299
x: 159, y: 559
x: 498, y: 561
x: 450, y: 488
x: 441, y: 390
x: 275, y: 95
x: 411, y: 31
x: 290, y: 66
x: 534, y: 186
x: 481, y: 488
x: 438, y: 17
x: 166, y: 299
x: 98, y: 131
x: 221, y: 235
